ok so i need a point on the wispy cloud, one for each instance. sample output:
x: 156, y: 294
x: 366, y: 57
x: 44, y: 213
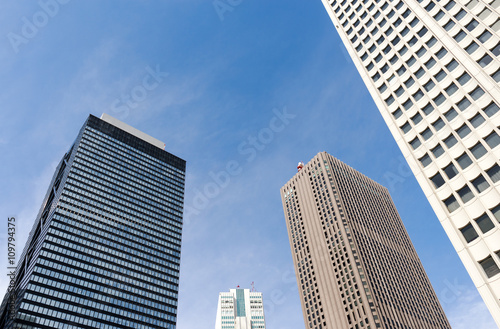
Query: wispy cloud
x: 469, y: 311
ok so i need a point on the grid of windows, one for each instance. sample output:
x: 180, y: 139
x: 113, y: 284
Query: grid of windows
x: 368, y: 269
x: 106, y: 253
x: 437, y: 72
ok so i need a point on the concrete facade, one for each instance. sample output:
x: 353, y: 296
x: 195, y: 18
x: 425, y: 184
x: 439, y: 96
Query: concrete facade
x: 354, y: 262
x: 433, y: 69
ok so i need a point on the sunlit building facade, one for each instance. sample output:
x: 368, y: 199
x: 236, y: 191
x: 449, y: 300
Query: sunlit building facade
x: 354, y: 262
x: 433, y: 70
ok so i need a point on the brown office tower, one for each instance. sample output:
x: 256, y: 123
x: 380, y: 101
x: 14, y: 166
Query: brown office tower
x: 356, y: 267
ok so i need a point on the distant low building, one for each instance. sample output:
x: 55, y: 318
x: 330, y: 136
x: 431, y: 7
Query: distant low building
x: 240, y: 309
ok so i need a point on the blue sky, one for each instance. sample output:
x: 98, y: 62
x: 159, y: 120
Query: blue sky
x: 216, y: 81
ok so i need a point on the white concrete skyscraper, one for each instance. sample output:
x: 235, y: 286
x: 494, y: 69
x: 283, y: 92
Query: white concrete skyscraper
x: 433, y: 69
x: 240, y: 309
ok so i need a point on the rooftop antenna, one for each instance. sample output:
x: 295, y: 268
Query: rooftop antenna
x: 253, y: 287
x: 300, y: 166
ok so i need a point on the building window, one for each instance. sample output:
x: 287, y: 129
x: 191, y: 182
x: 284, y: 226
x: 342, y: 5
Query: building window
x: 449, y: 5
x: 448, y: 26
x: 464, y: 161
x: 437, y: 180
x: 464, y: 78
x: 496, y: 26
x: 425, y: 160
x: 496, y: 50
x: 418, y: 95
x: 440, y: 75
x: 409, y: 82
x: 451, y: 114
x: 463, y: 104
x: 439, y: 15
x: 496, y: 76
x: 428, y: 109
x: 453, y: 64
x: 450, y: 141
x: 408, y: 104
x: 438, y: 151
x: 413, y: 41
x: 472, y: 47
x: 472, y: 25
x: 389, y: 100
x: 396, y: 40
x: 477, y: 120
x: 491, y: 109
x: 461, y: 14
x: 493, y: 140
x: 480, y: 184
x: 450, y: 171
x: 406, y: 127
x: 397, y: 113
x: 451, y: 204
x: 460, y: 36
x: 496, y: 212
x: 472, y: 4
x: 452, y: 88
x: 423, y: 31
x: 430, y: 6
x: 469, y: 233
x: 399, y: 91
x: 485, y: 224
x: 438, y: 124
x: 485, y: 60
x: 429, y: 85
x: 478, y: 150
x: 485, y: 36
x: 405, y: 31
x: 426, y: 134
x: 465, y: 194
x: 439, y: 99
x: 430, y: 63
x: 441, y: 53
x: 463, y: 131
x: 489, y: 266
x: 415, y: 143
x: 416, y: 118
x: 420, y: 73
x: 484, y: 14
x: 494, y: 173
x: 421, y: 51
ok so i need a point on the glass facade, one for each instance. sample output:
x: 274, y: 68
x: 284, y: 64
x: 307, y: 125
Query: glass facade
x: 105, y: 248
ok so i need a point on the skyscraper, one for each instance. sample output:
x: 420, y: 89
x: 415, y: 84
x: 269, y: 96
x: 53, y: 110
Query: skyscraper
x: 240, y: 309
x: 104, y: 251
x: 432, y: 68
x: 354, y: 262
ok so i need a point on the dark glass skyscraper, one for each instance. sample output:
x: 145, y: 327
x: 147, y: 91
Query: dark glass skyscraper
x: 104, y: 251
